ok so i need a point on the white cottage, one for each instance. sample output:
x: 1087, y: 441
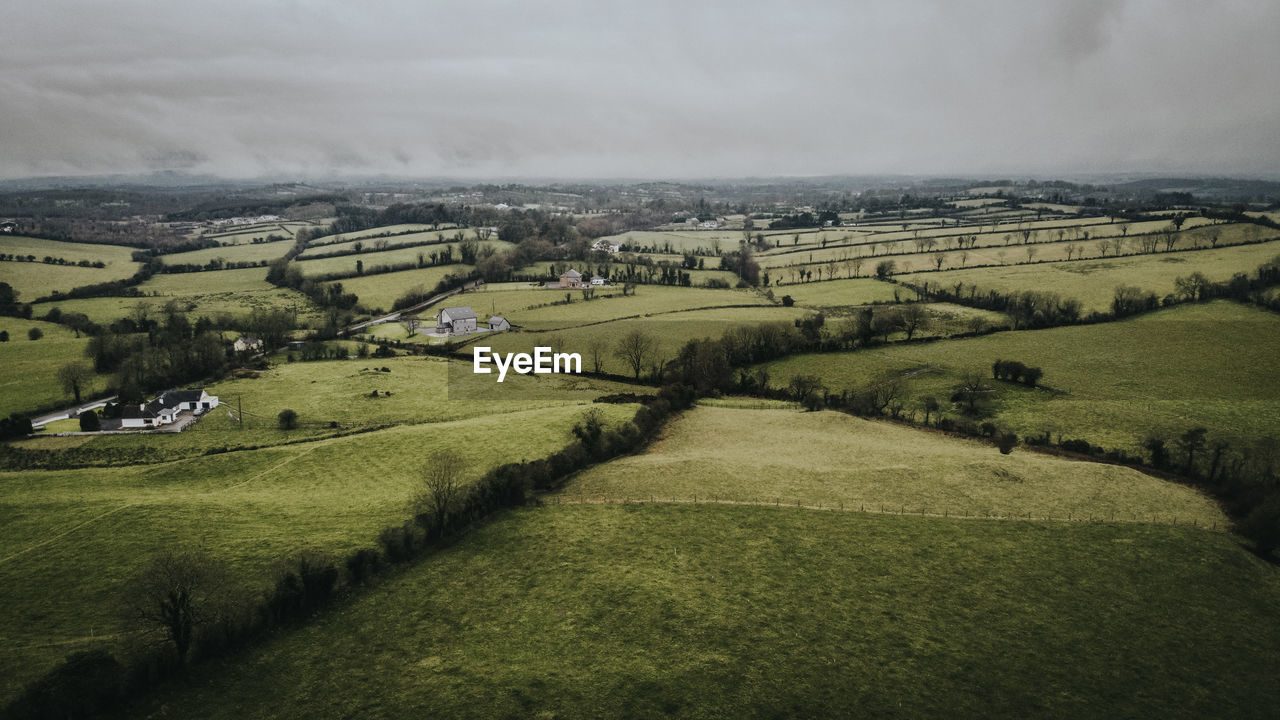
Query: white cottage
x: 165, y: 408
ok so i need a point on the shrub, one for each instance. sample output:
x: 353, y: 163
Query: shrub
x: 362, y: 564
x: 288, y: 419
x: 1262, y: 525
x: 1007, y: 443
x: 89, y: 422
x: 787, y: 301
x: 35, y: 334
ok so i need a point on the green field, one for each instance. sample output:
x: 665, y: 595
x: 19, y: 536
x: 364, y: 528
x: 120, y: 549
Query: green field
x: 1094, y: 282
x: 30, y: 376
x: 841, y: 293
x: 714, y: 611
x: 370, y: 242
x: 548, y: 271
x: 72, y: 537
x: 1110, y: 383
x: 393, y: 233
x: 669, y: 331
x: 382, y: 290
x: 347, y: 263
x: 246, y: 252
x: 211, y: 293
x: 831, y: 459
x: 37, y: 279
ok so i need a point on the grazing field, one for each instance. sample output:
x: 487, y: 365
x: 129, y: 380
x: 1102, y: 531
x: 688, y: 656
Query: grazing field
x: 1112, y: 383
x: 848, y: 292
x: 1093, y: 282
x: 768, y: 456
x: 246, y: 234
x: 211, y: 293
x: 30, y: 376
x: 379, y: 292
x: 392, y: 233
x: 331, y: 244
x: 333, y: 396
x: 263, y: 252
x: 691, y: 612
x: 371, y: 260
x: 72, y: 538
x: 669, y: 332
x: 646, y: 300
x: 550, y: 271
x: 37, y: 279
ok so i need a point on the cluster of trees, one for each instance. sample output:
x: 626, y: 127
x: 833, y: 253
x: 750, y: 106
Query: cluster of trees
x: 1015, y: 371
x: 214, y: 264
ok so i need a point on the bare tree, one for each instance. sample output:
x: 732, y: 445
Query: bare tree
x: 441, y: 486
x: 75, y: 378
x: 595, y: 352
x: 938, y: 259
x: 1031, y: 252
x: 175, y: 593
x: 1103, y: 247
x: 634, y: 348
x: 913, y: 317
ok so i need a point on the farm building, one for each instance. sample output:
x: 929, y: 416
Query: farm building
x: 456, y: 320
x: 608, y: 246
x: 497, y: 322
x: 8, y: 226
x: 246, y: 343
x: 165, y: 408
x: 571, y: 279
x: 597, y: 280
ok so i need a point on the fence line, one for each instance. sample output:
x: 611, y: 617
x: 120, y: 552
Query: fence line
x: 901, y: 510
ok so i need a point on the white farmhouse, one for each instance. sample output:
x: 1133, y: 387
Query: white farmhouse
x: 597, y: 281
x: 165, y: 408
x: 246, y: 342
x: 608, y: 246
x: 456, y: 320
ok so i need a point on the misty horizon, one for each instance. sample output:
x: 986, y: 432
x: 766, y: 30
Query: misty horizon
x: 655, y: 91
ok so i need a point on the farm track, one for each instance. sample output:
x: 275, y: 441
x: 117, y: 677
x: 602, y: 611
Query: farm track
x: 1132, y: 519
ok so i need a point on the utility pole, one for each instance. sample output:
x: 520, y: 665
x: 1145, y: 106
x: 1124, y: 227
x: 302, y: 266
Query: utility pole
x: 239, y: 412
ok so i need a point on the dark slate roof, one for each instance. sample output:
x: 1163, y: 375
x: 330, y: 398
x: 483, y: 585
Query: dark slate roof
x: 463, y: 312
x: 571, y: 273
x: 171, y: 398
x: 133, y: 412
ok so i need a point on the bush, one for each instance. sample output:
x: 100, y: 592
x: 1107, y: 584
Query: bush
x: 1007, y: 443
x: 1262, y: 525
x: 362, y: 564
x: 288, y: 419
x: 89, y: 422
x: 35, y: 334
x: 787, y: 301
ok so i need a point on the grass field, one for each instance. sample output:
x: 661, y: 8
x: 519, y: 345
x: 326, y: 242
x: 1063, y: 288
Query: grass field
x: 211, y: 293
x: 30, y: 376
x: 547, y: 271
x: 669, y: 331
x: 72, y: 538
x: 347, y: 263
x: 245, y: 252
x: 1111, y: 383
x: 421, y: 390
x: 692, y: 612
x: 381, y: 291
x: 841, y: 293
x: 37, y: 279
x: 771, y: 456
x: 1094, y: 282
x: 392, y: 233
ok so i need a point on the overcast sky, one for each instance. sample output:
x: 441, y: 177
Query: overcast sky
x: 640, y: 88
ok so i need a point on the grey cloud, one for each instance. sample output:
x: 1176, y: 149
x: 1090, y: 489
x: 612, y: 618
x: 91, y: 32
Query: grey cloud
x: 656, y: 88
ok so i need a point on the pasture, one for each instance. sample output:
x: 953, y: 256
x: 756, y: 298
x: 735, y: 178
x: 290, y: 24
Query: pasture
x: 669, y: 332
x: 37, y: 279
x: 393, y: 233
x: 210, y: 293
x: 1093, y: 282
x: 715, y: 611
x: 30, y: 377
x: 372, y: 260
x: 263, y: 252
x: 1109, y: 383
x: 379, y: 292
x: 845, y: 293
x: 830, y: 459
x: 72, y: 538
